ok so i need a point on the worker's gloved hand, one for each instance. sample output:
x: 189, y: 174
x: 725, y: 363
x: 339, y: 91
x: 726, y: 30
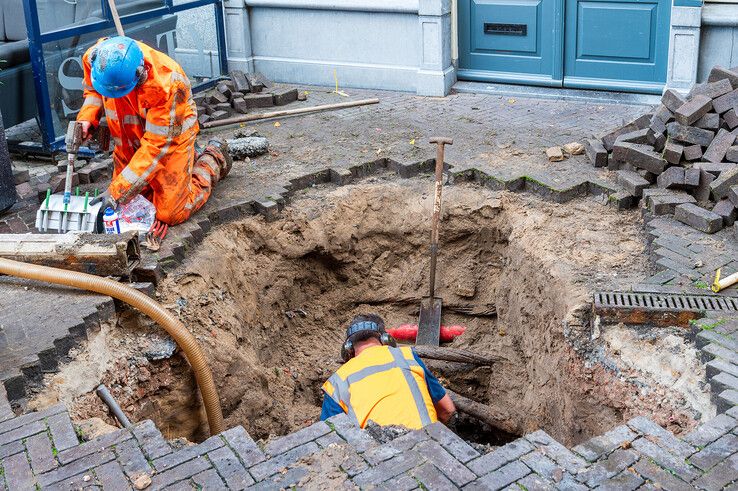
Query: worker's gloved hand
x: 106, y: 200
x: 86, y: 133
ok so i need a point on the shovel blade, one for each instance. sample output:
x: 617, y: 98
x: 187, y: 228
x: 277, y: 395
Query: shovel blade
x: 429, y: 325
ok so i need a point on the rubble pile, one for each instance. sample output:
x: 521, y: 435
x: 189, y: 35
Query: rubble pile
x: 682, y: 159
x: 244, y: 92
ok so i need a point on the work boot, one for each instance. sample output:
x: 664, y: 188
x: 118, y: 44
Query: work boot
x: 226, y: 162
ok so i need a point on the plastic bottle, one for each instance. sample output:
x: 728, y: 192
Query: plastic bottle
x: 110, y: 221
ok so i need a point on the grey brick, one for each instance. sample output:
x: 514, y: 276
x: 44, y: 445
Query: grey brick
x: 692, y: 152
x: 665, y: 459
x: 726, y: 399
x: 356, y: 437
x: 18, y: 473
x: 661, y: 437
x: 693, y: 109
x: 715, y: 452
x: 281, y: 482
x: 111, y: 476
x: 179, y: 473
x: 641, y: 156
x: 244, y: 446
x: 672, y: 100
x: 409, y: 440
x: 716, y: 351
x: 174, y: 459
x: 11, y: 449
x: 722, y: 474
x: 329, y: 439
x: 132, y: 458
x: 698, y: 218
x: 733, y: 195
x: 254, y: 101
x: 500, y: 478
x: 724, y: 381
x: 713, y: 89
x: 710, y: 431
x: 455, y: 470
x: 671, y: 178
x: 281, y: 445
x: 664, y: 203
x: 461, y: 450
x: 633, y: 183
x: 659, y: 477
x: 431, y: 478
x: 379, y: 454
x: 22, y: 432
x: 625, y: 481
x: 531, y: 482
x: 730, y: 117
x: 556, y: 451
x: 726, y: 209
x: 643, y: 136
x: 596, y: 152
x: 501, y: 456
x: 719, y: 146
x: 93, y: 446
x: 543, y: 466
x: 284, y: 96
x: 714, y: 168
x: 721, y: 186
x: 77, y: 467
x: 673, y: 152
x: 616, y: 462
x: 598, y: 446
x: 388, y: 469
x: 725, y: 102
x: 40, y: 452
x: 25, y: 419
x: 150, y: 440
x: 690, y: 134
x: 710, y: 121
x: 275, y: 464
x: 663, y: 113
x: 230, y: 468
x: 208, y: 480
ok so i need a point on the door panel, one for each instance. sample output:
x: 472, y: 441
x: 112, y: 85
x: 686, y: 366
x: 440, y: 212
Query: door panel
x: 511, y: 39
x: 616, y: 44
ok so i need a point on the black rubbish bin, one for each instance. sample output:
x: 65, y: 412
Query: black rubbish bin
x: 7, y: 183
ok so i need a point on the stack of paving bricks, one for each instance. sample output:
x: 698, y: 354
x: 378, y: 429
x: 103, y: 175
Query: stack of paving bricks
x: 241, y: 94
x: 41, y: 451
x: 683, y: 158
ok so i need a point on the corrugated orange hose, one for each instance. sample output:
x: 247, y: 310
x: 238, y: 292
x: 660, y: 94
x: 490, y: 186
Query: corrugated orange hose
x: 148, y: 306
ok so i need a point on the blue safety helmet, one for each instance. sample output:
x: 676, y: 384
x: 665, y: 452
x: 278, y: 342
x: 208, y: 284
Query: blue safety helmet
x: 117, y: 66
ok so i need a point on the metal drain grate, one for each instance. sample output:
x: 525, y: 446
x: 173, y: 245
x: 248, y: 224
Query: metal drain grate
x: 659, y: 308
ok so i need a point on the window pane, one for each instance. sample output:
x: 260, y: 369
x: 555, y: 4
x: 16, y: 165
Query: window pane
x: 59, y: 14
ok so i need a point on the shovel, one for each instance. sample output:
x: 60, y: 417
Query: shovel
x: 429, y: 325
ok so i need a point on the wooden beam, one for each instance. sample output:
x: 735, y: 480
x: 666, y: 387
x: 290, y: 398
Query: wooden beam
x: 457, y: 355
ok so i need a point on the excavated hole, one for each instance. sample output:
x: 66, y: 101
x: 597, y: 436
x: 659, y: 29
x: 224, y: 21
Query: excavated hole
x: 270, y: 302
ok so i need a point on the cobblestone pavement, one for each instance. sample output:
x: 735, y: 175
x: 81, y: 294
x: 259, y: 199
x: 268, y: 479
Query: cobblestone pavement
x: 499, y: 143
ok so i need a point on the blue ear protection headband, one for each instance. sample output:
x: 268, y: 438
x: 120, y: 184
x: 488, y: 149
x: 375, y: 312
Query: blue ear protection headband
x: 347, y: 350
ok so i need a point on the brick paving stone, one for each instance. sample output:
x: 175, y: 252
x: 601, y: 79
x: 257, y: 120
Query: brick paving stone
x: 721, y: 475
x: 659, y: 477
x: 721, y: 186
x: 62, y: 431
x: 353, y: 463
x: 77, y: 467
x: 112, y: 477
x: 388, y: 469
x: 719, y: 146
x: 715, y: 452
x: 616, y: 462
x: 716, y: 351
x: 11, y: 448
x: 672, y: 100
x: 726, y: 399
x: 379, y: 454
x: 632, y: 182
x: 150, y: 439
x: 698, y: 218
x: 22, y: 432
x: 665, y: 459
x: 733, y: 195
x: 297, y: 438
x: 625, y: 481
x: 531, y: 482
x: 329, y: 439
x: 40, y: 453
x: 431, y: 478
x: 661, y: 437
x: 280, y: 482
x: 601, y: 445
x: 718, y: 73
x: 230, y: 468
x: 275, y: 464
x: 96, y: 445
x: 17, y: 472
x: 692, y: 152
x: 725, y: 102
x: 671, y: 178
x: 360, y: 440
x: 461, y: 450
x: 664, y: 201
x: 690, y: 134
x: 208, y: 480
x: 179, y: 473
x: 726, y: 209
x: 596, y: 152
x: 641, y: 156
x: 409, y: 440
x: 710, y: 121
x: 456, y: 471
x: 246, y: 449
x: 132, y: 458
x: 500, y: 478
x: 543, y: 466
x: 188, y: 453
x: 693, y: 109
x: 556, y: 451
x: 710, y: 431
x: 497, y: 458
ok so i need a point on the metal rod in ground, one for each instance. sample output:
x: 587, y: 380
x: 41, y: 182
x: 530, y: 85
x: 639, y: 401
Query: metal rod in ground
x: 287, y: 112
x: 455, y: 354
x: 485, y: 413
x: 104, y: 394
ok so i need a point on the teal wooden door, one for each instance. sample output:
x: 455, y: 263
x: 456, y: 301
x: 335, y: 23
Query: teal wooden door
x: 602, y: 44
x: 619, y: 45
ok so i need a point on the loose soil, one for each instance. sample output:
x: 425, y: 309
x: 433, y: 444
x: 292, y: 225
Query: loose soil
x: 270, y: 302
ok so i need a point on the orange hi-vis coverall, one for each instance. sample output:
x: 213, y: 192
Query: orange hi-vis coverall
x: 154, y: 128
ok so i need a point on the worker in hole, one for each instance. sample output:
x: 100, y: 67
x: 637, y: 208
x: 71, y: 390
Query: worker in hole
x: 147, y: 102
x: 383, y: 383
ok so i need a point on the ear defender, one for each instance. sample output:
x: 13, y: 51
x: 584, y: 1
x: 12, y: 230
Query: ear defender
x: 347, y: 350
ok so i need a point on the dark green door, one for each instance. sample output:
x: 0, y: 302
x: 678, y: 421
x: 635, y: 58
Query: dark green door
x: 612, y: 45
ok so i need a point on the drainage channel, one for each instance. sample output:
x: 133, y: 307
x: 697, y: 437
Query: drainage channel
x: 659, y: 309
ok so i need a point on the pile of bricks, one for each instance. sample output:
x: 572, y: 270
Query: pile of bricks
x: 682, y: 159
x: 244, y: 92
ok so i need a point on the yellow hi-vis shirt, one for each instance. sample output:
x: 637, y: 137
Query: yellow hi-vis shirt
x: 385, y: 385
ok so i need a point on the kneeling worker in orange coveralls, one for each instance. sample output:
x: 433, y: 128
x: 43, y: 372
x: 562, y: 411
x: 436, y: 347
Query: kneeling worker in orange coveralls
x: 384, y: 383
x: 147, y: 101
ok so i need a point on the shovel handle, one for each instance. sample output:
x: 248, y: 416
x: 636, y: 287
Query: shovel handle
x: 440, y: 142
